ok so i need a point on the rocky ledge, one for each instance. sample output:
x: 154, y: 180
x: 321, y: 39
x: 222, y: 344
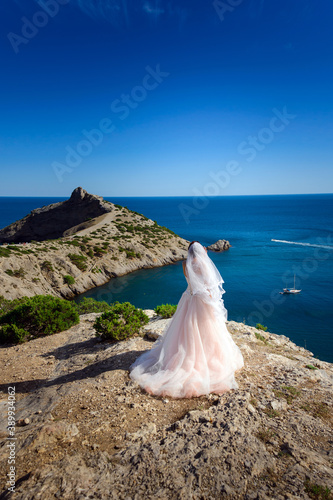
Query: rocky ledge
x: 87, y: 431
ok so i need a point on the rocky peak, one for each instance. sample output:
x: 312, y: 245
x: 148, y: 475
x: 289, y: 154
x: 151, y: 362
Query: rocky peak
x: 58, y: 219
x: 78, y: 194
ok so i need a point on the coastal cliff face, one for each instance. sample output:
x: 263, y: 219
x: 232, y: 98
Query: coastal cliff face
x: 58, y: 219
x: 113, y: 242
x: 85, y: 430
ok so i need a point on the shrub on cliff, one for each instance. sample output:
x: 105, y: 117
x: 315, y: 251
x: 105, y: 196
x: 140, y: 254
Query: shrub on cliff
x: 13, y: 334
x: 121, y: 322
x: 261, y: 327
x: 78, y: 260
x: 69, y: 280
x: 166, y: 310
x: 89, y: 305
x: 8, y: 305
x: 4, y: 252
x: 40, y: 315
x: 16, y: 273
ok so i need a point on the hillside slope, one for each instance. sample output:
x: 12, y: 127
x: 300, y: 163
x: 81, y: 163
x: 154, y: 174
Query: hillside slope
x: 89, y: 254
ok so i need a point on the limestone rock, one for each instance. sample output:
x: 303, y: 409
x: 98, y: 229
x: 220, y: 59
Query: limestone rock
x: 54, y: 432
x: 219, y: 246
x: 156, y: 327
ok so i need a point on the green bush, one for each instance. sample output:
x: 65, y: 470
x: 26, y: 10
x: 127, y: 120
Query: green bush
x: 42, y: 315
x: 89, y: 305
x: 317, y: 491
x: 261, y: 327
x: 78, y: 260
x: 8, y: 305
x: 4, y: 252
x: 166, y: 310
x: 47, y: 266
x: 122, y: 321
x: 260, y: 337
x: 16, y: 273
x: 99, y: 251
x: 69, y: 280
x: 130, y: 254
x: 74, y: 243
x: 13, y: 334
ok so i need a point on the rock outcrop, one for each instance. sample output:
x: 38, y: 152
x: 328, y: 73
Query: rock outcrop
x: 89, y: 254
x: 219, y: 246
x: 88, y: 431
x: 58, y: 219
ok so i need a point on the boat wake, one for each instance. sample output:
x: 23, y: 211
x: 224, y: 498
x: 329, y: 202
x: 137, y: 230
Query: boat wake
x: 328, y: 247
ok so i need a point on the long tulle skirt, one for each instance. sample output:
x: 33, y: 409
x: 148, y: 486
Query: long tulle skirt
x: 195, y: 356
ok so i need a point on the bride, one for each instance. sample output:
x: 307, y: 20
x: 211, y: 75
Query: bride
x: 196, y: 355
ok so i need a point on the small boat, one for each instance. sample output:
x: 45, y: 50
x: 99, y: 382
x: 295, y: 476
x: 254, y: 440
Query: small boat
x: 291, y: 290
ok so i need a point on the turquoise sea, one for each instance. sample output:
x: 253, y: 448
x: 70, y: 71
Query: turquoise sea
x: 272, y: 238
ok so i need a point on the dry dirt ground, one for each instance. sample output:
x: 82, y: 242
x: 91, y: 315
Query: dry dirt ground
x: 85, y: 430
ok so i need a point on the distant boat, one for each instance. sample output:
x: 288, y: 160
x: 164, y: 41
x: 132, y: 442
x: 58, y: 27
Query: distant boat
x: 291, y: 290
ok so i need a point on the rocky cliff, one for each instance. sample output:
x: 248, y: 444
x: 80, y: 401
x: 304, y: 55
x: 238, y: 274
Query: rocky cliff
x: 56, y: 220
x: 87, y: 431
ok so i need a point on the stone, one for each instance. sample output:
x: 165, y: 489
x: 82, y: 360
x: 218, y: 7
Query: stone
x: 251, y: 408
x: 52, y: 433
x: 156, y: 327
x: 23, y: 421
x: 219, y: 246
x: 147, y: 429
x: 278, y: 405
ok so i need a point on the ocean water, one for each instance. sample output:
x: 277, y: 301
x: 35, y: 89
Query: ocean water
x: 273, y: 238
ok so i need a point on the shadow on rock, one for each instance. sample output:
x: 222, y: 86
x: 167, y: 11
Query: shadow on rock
x: 121, y: 361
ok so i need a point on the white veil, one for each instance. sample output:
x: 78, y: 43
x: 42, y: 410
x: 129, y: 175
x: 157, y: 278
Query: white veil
x: 203, y: 277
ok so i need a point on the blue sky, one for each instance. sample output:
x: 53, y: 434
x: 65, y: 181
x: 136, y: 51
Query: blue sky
x: 159, y: 98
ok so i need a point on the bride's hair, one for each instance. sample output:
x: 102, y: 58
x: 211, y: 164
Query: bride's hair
x: 195, y: 241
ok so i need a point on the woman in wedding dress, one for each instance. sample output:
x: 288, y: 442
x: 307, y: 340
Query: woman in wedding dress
x: 196, y: 355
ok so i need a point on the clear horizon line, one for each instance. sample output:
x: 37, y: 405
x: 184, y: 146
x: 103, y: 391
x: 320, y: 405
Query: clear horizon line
x: 171, y: 196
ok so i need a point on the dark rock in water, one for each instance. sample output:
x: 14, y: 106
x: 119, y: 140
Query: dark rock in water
x: 219, y: 246
x: 58, y: 219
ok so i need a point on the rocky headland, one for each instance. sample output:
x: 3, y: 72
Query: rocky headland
x: 85, y: 430
x: 69, y: 247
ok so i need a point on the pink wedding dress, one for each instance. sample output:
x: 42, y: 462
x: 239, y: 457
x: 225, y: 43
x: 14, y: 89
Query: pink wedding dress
x: 196, y: 355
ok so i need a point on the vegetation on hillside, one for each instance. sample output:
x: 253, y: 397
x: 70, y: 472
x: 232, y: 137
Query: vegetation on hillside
x: 121, y: 322
x: 32, y: 317
x: 166, y: 310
